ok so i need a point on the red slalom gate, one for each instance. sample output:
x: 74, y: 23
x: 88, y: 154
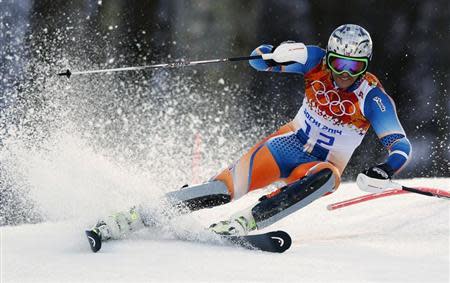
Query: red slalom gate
x: 404, y: 190
x: 196, y: 159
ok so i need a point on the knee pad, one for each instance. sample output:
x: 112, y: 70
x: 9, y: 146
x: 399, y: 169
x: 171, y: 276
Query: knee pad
x: 309, y: 168
x: 326, y: 165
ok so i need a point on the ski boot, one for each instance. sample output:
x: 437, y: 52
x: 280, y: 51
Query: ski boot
x: 238, y: 225
x: 114, y: 227
x: 282, y: 202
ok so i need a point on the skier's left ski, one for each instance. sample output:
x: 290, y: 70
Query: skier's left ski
x: 274, y: 242
x: 95, y: 241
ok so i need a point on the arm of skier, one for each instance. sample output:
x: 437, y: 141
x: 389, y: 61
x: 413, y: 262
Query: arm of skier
x: 380, y: 109
x: 289, y: 57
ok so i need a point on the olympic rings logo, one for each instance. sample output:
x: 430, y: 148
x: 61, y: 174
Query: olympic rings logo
x: 337, y: 106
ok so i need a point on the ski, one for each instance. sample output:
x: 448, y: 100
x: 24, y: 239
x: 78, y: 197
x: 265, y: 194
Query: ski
x: 274, y: 242
x: 94, y: 239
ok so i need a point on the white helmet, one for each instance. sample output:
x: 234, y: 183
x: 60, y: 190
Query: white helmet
x: 350, y: 40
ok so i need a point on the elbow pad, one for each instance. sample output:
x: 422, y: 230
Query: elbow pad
x: 399, y: 151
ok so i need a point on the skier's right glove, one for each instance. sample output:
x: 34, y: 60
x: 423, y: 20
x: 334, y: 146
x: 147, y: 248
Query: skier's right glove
x: 290, y: 52
x: 376, y: 179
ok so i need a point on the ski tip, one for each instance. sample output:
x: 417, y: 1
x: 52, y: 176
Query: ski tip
x: 67, y: 73
x: 284, y: 240
x: 274, y: 242
x: 95, y: 242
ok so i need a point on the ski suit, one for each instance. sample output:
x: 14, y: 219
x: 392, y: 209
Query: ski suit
x: 329, y: 126
x: 320, y: 140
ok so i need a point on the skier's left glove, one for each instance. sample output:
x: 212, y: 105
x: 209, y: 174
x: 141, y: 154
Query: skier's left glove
x: 376, y: 179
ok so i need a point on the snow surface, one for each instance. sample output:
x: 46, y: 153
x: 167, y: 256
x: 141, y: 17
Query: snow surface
x: 402, y: 238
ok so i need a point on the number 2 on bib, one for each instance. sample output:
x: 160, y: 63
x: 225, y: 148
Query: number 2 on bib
x: 323, y: 139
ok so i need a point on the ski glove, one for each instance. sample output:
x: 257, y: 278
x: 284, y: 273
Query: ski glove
x: 376, y: 179
x: 289, y: 52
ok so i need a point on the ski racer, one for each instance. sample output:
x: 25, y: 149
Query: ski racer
x: 342, y: 100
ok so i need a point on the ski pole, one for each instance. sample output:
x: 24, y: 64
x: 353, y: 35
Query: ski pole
x: 431, y: 192
x: 180, y: 64
x: 424, y: 191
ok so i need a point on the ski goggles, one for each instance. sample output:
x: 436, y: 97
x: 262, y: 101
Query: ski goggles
x: 340, y: 64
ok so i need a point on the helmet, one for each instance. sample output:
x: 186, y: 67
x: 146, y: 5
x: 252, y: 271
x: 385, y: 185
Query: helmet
x: 350, y: 41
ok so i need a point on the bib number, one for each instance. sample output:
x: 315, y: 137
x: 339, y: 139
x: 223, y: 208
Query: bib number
x: 323, y: 139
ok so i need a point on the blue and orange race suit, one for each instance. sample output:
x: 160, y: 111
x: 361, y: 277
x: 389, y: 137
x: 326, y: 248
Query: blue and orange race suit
x: 329, y: 126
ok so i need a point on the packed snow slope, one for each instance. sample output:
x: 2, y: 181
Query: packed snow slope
x: 402, y: 238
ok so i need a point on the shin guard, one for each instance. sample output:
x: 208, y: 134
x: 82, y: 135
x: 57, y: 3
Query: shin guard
x: 201, y: 196
x: 293, y: 197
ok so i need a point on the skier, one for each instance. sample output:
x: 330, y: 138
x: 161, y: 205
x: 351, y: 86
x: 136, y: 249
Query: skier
x: 342, y: 100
